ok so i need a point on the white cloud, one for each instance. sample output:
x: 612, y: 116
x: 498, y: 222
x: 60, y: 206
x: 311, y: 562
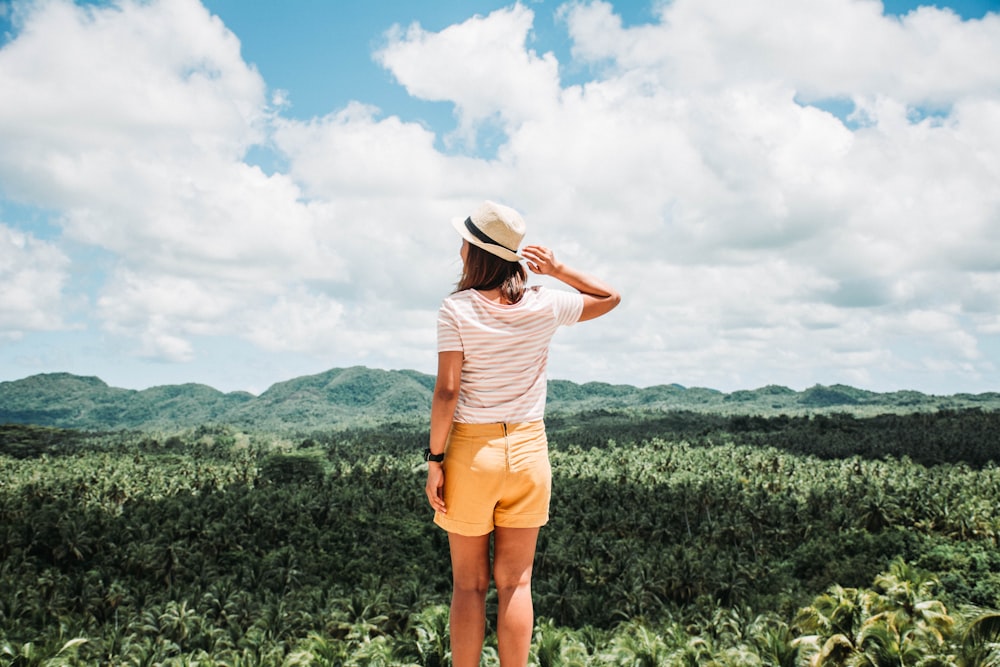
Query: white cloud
x: 756, y: 238
x: 872, y: 221
x: 822, y: 49
x: 135, y: 129
x: 385, y: 195
x: 126, y: 80
x: 480, y: 65
x: 33, y: 275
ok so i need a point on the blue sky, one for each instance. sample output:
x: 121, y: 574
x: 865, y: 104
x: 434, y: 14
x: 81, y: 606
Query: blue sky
x: 337, y: 39
x: 238, y: 193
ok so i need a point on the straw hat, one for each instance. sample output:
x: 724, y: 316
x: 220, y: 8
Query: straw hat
x: 495, y: 228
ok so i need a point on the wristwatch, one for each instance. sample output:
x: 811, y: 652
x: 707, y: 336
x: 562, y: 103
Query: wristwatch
x: 437, y: 458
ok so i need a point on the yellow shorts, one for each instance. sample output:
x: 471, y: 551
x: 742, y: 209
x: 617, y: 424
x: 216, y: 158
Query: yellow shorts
x: 495, y: 475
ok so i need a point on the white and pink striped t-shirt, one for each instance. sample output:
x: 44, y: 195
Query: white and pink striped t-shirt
x: 505, y: 350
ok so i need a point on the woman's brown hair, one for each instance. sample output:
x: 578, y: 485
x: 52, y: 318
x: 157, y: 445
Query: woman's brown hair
x: 486, y: 271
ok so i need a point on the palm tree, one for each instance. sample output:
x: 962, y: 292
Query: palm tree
x: 980, y: 642
x: 180, y: 623
x: 428, y: 639
x: 883, y: 644
x: 903, y: 596
x: 637, y: 646
x: 377, y: 652
x: 697, y: 652
x: 776, y: 643
x: 557, y: 647
x: 317, y: 651
x: 360, y: 615
x: 30, y: 654
x: 559, y: 596
x: 138, y: 651
x: 837, y: 612
x: 902, y: 625
x: 830, y: 625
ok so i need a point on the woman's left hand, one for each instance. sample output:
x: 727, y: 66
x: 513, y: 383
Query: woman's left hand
x: 435, y: 486
x: 540, y: 260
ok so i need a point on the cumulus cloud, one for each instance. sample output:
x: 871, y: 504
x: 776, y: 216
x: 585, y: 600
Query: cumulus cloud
x: 756, y: 236
x: 750, y: 230
x: 136, y: 128
x: 821, y: 49
x: 481, y: 65
x: 33, y: 275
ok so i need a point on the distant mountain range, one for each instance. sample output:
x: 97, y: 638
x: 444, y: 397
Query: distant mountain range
x: 359, y: 395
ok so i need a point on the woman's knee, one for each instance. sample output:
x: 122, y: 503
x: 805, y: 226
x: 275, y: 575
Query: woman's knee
x: 515, y: 554
x: 511, y: 581
x: 470, y: 563
x: 472, y: 583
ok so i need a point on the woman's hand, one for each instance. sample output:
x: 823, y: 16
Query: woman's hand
x: 541, y: 260
x: 598, y: 298
x: 435, y: 486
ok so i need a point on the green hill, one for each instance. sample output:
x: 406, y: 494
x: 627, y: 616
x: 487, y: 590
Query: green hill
x: 359, y: 395
x: 66, y: 400
x: 336, y: 396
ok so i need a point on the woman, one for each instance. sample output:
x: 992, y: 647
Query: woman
x: 488, y: 467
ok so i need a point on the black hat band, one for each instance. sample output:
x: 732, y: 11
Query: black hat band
x: 475, y: 231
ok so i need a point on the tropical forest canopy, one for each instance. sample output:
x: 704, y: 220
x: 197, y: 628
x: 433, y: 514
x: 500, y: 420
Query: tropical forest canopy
x: 825, y: 532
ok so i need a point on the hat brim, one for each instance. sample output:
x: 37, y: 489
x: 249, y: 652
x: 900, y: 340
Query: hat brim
x: 492, y: 248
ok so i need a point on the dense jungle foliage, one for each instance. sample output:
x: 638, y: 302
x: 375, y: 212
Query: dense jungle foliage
x: 676, y: 538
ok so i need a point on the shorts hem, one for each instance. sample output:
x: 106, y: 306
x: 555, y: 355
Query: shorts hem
x: 523, y: 521
x: 478, y: 529
x: 461, y: 527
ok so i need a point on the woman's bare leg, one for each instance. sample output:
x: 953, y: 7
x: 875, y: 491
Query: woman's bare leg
x: 470, y: 567
x: 513, y: 556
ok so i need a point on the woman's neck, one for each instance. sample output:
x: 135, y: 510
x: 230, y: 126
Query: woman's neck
x: 494, y: 295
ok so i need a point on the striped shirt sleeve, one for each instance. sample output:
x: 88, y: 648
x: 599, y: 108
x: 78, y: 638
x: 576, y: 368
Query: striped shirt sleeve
x: 448, y: 336
x: 568, y: 306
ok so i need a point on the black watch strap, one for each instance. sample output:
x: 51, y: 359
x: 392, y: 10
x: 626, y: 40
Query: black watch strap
x: 437, y: 458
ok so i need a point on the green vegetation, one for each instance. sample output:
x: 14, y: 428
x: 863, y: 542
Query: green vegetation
x: 359, y: 396
x: 676, y: 538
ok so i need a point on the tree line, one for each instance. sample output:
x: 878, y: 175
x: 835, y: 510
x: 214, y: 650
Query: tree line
x: 675, y: 539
